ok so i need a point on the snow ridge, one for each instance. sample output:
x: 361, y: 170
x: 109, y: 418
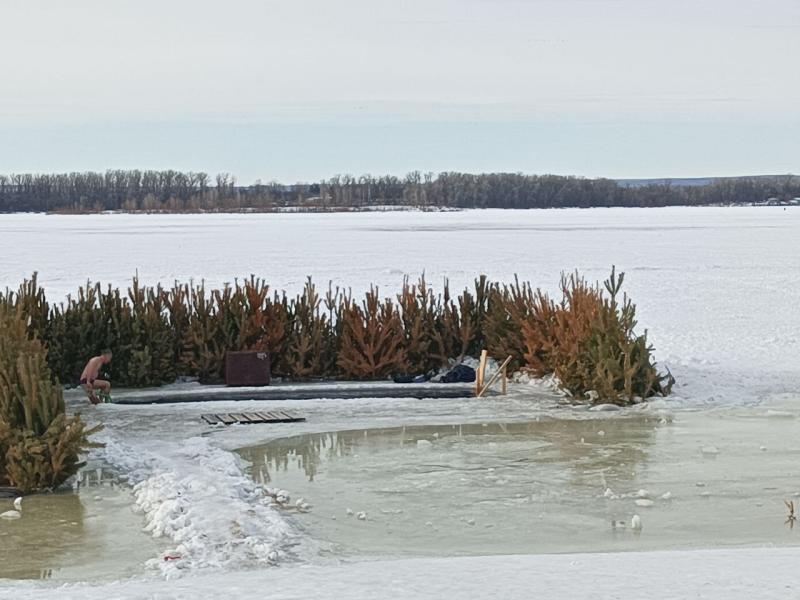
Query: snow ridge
x: 198, y: 497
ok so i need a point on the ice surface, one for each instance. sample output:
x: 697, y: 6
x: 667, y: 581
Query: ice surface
x: 531, y: 486
x: 765, y: 574
x: 717, y: 289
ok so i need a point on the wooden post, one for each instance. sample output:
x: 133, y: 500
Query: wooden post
x: 495, y: 377
x: 481, y: 372
x: 504, y: 382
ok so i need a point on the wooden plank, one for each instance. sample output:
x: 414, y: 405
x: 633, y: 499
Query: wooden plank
x: 495, y: 376
x: 277, y: 416
x: 291, y: 417
x: 255, y: 417
x: 481, y: 372
x: 227, y: 419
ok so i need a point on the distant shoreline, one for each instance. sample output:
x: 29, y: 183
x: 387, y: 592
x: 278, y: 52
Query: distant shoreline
x: 137, y: 191
x: 389, y: 209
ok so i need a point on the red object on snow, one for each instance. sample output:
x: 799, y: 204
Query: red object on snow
x: 172, y: 557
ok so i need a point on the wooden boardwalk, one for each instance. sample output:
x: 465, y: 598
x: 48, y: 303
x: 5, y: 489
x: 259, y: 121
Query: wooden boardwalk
x: 248, y: 418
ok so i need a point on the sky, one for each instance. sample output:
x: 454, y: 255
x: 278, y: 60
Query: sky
x: 299, y: 90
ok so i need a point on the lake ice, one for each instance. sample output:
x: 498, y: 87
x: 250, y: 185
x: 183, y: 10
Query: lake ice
x: 716, y: 287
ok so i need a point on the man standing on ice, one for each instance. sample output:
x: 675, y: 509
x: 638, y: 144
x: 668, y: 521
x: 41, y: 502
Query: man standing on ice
x: 91, y: 372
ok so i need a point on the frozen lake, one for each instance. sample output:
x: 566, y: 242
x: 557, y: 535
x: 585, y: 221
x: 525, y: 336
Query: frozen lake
x: 717, y: 287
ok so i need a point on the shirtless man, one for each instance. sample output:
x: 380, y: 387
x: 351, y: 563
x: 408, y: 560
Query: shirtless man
x: 91, y: 371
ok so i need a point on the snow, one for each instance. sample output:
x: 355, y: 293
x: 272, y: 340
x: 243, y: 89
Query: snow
x: 197, y: 496
x: 765, y: 573
x: 715, y: 287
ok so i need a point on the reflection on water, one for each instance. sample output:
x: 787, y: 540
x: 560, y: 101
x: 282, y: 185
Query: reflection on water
x: 83, y: 533
x: 540, y: 486
x: 616, y: 447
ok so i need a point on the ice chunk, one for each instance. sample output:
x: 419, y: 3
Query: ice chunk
x: 604, y: 408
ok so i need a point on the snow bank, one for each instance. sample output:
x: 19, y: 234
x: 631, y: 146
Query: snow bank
x: 198, y: 497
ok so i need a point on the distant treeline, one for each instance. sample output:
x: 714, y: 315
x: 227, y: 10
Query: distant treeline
x: 174, y: 191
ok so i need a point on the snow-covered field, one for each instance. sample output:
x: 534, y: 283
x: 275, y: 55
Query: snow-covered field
x: 716, y: 287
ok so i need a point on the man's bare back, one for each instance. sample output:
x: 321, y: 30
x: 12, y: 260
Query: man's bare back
x: 89, y: 377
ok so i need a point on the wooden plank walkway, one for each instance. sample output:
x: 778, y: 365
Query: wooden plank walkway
x: 246, y: 418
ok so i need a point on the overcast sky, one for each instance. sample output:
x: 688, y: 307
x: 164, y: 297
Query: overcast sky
x: 298, y: 90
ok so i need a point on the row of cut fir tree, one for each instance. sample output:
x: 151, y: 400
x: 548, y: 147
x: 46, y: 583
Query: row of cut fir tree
x: 586, y: 338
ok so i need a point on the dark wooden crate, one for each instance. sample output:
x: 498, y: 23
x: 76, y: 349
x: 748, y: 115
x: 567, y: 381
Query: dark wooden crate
x: 247, y: 368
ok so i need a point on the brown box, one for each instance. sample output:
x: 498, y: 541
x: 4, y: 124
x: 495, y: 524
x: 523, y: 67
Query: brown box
x: 247, y: 368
